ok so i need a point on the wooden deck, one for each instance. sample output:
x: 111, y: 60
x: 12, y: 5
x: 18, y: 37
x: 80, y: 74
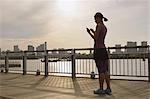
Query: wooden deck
x: 18, y: 86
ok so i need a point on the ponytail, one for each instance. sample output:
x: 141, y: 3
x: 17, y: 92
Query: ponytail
x: 105, y: 19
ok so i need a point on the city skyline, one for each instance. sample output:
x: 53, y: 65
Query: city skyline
x: 62, y: 23
x: 43, y: 46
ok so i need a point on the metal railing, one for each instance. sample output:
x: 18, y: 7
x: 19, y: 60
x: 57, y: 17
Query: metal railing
x: 79, y: 62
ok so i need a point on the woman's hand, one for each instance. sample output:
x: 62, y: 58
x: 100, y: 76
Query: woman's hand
x: 88, y: 30
x: 92, y: 30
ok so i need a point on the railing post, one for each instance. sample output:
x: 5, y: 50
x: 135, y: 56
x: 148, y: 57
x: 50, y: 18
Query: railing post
x: 73, y: 64
x: 149, y: 67
x: 6, y: 63
x: 46, y: 63
x: 24, y: 63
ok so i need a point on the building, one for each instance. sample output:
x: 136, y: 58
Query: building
x: 16, y: 48
x: 41, y: 47
x: 143, y: 43
x: 118, y: 50
x: 30, y: 48
x: 131, y: 44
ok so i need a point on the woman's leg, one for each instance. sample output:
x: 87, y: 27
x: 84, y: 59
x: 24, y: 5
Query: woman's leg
x: 101, y: 80
x: 107, y: 75
x: 101, y: 73
x: 107, y: 78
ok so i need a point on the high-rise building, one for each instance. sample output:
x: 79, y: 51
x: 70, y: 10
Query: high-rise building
x: 41, y: 47
x: 131, y: 44
x: 16, y: 48
x: 30, y: 48
x: 143, y: 43
x: 118, y: 50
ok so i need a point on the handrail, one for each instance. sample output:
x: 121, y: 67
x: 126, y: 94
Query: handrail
x: 124, y: 47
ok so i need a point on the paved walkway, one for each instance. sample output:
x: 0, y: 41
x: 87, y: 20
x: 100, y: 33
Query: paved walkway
x: 17, y: 86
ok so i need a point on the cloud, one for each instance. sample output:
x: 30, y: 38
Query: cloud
x: 23, y: 19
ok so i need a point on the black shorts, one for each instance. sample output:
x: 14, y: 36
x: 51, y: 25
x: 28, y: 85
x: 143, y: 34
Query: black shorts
x: 100, y: 54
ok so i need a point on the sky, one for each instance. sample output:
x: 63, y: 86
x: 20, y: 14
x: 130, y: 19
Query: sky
x: 62, y: 23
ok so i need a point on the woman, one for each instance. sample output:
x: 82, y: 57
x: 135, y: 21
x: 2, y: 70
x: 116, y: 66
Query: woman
x: 100, y: 53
